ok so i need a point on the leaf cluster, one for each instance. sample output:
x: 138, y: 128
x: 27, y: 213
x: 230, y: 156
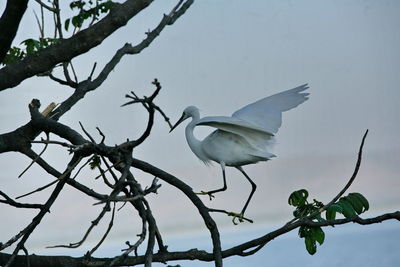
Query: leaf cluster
x: 31, y: 46
x: 87, y: 10
x: 94, y: 162
x: 349, y: 206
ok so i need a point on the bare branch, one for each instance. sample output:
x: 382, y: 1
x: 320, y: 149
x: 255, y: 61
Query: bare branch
x: 200, y: 254
x: 352, y: 178
x: 27, y: 231
x: 232, y: 214
x: 110, y: 225
x: 11, y: 202
x: 93, y: 224
x: 46, y: 142
x: 83, y: 41
x: 49, y: 8
x: 38, y: 189
x: 187, y: 190
x: 134, y: 247
x: 9, y: 23
x: 131, y: 50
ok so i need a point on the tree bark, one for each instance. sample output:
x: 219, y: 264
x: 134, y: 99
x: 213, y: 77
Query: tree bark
x: 63, y: 51
x: 9, y: 23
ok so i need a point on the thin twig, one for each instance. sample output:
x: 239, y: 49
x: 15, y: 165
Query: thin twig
x: 103, y: 175
x: 351, y: 180
x: 27, y: 231
x: 118, y: 199
x: 110, y: 225
x: 94, y: 223
x: 38, y: 189
x: 62, y: 82
x: 92, y: 72
x: 87, y: 134
x: 109, y: 169
x: 46, y: 186
x: 81, y: 168
x: 13, y: 203
x: 45, y: 6
x: 73, y: 72
x: 233, y: 214
x: 53, y: 142
x: 134, y: 247
x: 102, y: 135
x: 46, y: 142
x: 70, y: 82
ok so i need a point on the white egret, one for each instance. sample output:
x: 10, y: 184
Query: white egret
x: 244, y: 138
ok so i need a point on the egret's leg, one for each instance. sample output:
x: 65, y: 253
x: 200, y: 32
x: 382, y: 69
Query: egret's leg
x: 209, y: 193
x: 224, y: 177
x: 253, y: 189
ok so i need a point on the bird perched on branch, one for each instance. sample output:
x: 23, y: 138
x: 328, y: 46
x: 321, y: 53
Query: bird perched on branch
x: 244, y: 138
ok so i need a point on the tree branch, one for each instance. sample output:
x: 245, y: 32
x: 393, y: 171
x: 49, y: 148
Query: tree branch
x: 11, y: 202
x: 192, y: 254
x: 27, y: 231
x: 44, y: 60
x: 187, y: 190
x: 9, y: 23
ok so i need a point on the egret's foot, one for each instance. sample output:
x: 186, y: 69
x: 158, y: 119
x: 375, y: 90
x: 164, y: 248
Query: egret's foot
x: 238, y: 218
x: 210, y: 195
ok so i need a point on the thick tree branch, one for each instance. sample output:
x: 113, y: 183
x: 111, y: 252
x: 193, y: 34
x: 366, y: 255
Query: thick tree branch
x: 84, y: 40
x: 44, y: 60
x: 192, y: 254
x: 9, y: 23
x: 187, y: 190
x: 128, y: 49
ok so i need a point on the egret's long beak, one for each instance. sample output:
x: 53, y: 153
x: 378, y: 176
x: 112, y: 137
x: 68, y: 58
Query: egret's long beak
x: 182, y: 118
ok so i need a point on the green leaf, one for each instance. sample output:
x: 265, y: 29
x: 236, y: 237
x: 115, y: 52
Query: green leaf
x: 95, y: 162
x: 77, y: 4
x: 303, y: 231
x: 319, y: 218
x: 77, y: 21
x: 66, y: 24
x: 331, y: 211
x: 14, y: 54
x: 348, y: 210
x: 312, y: 235
x: 311, y: 245
x: 298, y: 198
x: 356, y: 203
x: 30, y: 46
x: 318, y: 234
x: 37, y: 45
x: 363, y: 200
x: 106, y: 7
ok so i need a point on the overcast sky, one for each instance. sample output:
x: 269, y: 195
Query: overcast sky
x: 220, y: 56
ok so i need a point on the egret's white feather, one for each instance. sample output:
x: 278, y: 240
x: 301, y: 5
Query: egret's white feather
x: 266, y: 113
x: 245, y: 138
x: 259, y: 138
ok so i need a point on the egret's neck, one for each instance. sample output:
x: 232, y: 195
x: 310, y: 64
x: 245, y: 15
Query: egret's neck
x: 193, y: 142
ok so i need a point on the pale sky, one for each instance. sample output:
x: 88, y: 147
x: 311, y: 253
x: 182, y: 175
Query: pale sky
x: 220, y: 56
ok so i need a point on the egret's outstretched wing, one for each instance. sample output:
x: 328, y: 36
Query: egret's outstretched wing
x: 258, y: 137
x: 266, y: 113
